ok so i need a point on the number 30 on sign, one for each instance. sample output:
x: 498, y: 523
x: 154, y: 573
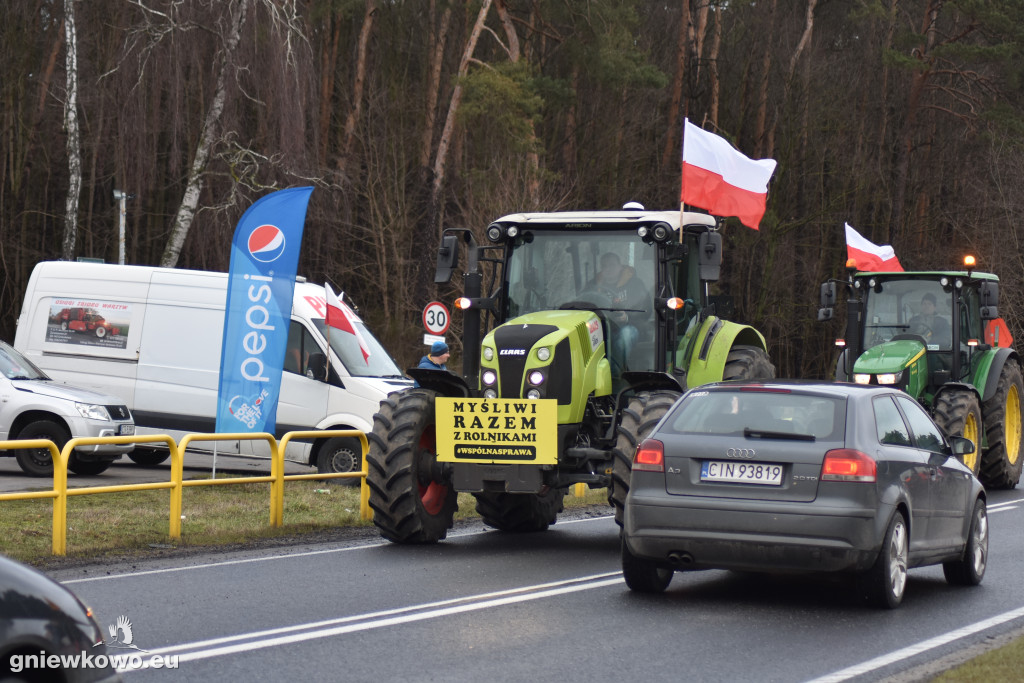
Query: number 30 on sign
x: 436, y: 318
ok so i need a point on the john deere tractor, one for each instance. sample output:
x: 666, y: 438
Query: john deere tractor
x: 935, y: 335
x: 598, y: 322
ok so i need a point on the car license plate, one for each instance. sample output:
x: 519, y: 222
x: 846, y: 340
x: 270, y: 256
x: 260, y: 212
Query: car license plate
x: 125, y: 430
x: 741, y: 472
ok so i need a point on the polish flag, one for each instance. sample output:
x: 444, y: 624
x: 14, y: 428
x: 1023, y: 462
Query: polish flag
x: 341, y: 317
x: 867, y: 255
x: 721, y: 180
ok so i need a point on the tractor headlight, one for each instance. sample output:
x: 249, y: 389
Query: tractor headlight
x: 490, y: 393
x: 544, y: 353
x: 532, y: 393
x: 536, y: 378
x: 862, y: 379
x: 488, y: 353
x: 490, y: 377
x: 890, y: 377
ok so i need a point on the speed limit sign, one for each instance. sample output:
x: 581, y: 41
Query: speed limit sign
x: 436, y: 318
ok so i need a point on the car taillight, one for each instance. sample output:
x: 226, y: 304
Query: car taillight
x: 650, y: 456
x: 846, y: 464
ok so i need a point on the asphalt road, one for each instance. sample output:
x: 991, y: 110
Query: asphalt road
x: 484, y: 605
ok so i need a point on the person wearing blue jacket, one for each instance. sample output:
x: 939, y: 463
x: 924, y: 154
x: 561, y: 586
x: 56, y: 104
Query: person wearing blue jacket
x: 437, y: 359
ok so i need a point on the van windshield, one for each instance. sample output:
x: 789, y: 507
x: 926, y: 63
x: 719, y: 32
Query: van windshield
x: 362, y: 355
x: 15, y: 366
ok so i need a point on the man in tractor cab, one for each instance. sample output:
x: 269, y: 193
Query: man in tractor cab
x: 934, y: 328
x: 624, y: 290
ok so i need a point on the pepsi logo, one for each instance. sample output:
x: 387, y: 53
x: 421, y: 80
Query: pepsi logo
x: 266, y: 243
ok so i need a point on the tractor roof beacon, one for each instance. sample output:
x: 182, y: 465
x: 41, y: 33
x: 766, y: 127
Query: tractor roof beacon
x: 925, y: 332
x: 597, y: 321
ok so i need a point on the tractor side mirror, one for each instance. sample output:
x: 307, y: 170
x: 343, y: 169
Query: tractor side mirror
x: 828, y: 294
x: 989, y: 300
x: 825, y: 314
x: 447, y: 259
x: 709, y: 256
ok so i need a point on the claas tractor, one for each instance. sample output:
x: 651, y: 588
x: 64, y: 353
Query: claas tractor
x: 598, y: 321
x: 938, y: 336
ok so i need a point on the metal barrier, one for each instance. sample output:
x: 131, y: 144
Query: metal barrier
x: 60, y: 491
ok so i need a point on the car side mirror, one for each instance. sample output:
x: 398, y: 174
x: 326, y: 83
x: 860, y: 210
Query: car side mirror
x: 961, y: 446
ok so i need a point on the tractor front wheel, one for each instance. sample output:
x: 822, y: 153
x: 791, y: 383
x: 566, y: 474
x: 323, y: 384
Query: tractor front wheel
x: 520, y: 512
x: 1001, y: 461
x: 638, y: 419
x: 748, y: 362
x: 411, y: 502
x: 958, y: 413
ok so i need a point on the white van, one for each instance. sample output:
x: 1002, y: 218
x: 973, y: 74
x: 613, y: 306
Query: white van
x: 152, y: 336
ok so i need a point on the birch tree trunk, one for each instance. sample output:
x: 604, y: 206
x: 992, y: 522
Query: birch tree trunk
x: 190, y: 201
x: 74, y: 143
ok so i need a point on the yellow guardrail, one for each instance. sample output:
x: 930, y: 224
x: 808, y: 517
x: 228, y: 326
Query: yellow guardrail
x: 60, y: 491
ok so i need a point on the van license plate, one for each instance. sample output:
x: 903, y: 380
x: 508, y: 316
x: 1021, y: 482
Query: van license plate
x: 126, y: 430
x: 741, y: 472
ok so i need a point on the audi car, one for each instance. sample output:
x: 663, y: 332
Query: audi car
x: 790, y: 476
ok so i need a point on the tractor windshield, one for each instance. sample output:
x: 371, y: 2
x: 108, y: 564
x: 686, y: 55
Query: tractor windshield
x: 908, y: 307
x: 609, y: 271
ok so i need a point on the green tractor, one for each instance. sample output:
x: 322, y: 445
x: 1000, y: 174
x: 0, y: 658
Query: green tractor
x: 925, y: 333
x: 599, y: 321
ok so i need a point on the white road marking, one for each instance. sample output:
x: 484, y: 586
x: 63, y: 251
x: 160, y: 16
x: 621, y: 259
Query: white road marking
x: 187, y: 652
x: 228, y: 563
x: 924, y: 646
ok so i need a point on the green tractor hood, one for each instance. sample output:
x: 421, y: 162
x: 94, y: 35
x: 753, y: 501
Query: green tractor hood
x: 891, y: 356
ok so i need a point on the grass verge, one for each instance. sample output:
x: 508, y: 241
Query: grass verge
x: 136, y: 522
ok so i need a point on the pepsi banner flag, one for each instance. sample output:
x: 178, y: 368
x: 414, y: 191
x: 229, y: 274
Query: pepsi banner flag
x: 261, y: 281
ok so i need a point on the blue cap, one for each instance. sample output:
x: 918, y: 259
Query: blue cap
x: 437, y: 348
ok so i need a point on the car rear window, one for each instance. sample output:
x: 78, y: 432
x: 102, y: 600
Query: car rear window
x: 733, y: 411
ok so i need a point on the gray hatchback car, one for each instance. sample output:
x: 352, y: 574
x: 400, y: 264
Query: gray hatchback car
x: 795, y: 476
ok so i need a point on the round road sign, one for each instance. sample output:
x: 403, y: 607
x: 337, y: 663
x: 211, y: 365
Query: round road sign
x: 436, y: 318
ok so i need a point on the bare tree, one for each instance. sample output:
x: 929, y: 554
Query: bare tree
x: 71, y: 124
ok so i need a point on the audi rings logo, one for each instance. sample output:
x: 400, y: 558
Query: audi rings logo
x: 746, y: 453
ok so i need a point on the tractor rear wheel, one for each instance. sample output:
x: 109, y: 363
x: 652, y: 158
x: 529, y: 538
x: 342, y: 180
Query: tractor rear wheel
x: 411, y: 502
x: 1001, y: 462
x: 958, y: 413
x: 638, y: 419
x: 520, y: 512
x: 748, y: 362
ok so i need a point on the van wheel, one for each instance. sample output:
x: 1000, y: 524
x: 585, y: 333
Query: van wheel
x: 148, y: 457
x: 37, y: 462
x: 340, y: 454
x: 79, y: 466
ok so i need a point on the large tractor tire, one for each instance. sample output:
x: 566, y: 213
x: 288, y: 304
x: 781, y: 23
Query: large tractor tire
x: 958, y: 413
x: 638, y: 419
x: 1001, y: 461
x: 520, y: 512
x: 411, y: 504
x: 748, y: 362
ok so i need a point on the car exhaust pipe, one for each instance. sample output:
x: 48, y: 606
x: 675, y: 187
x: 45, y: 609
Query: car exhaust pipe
x: 680, y: 559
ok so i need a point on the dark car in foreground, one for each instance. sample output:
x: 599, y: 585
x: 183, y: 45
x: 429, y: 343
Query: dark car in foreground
x: 45, y: 631
x: 803, y: 477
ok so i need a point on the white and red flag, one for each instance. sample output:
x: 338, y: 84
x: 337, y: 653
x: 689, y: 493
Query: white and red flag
x: 719, y: 179
x: 341, y: 317
x: 869, y: 256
